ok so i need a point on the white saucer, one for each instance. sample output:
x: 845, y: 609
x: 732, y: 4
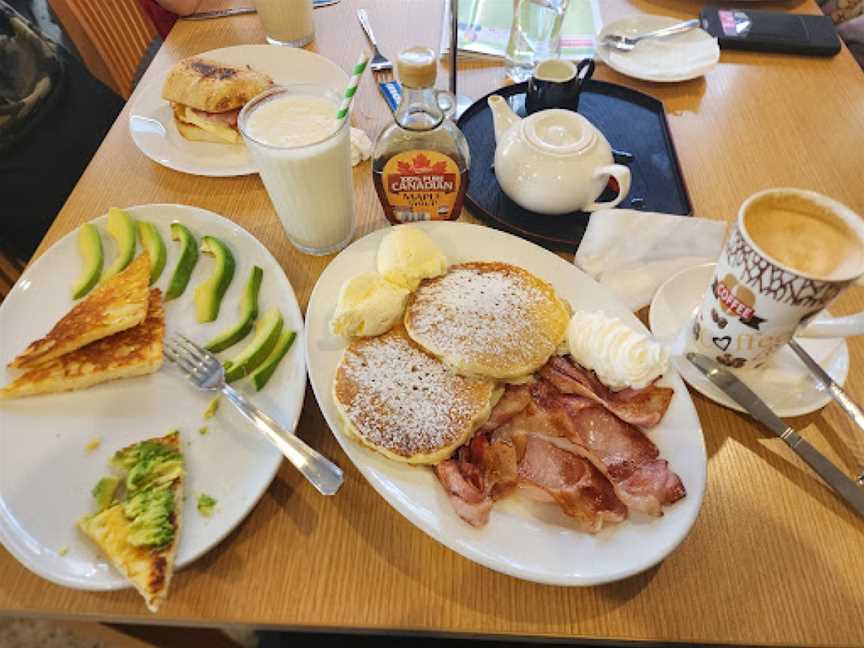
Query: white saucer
x: 151, y: 121
x: 785, y: 384
x: 681, y: 57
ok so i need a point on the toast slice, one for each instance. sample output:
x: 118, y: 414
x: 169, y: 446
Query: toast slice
x: 133, y: 352
x: 149, y: 567
x: 118, y: 304
x: 211, y: 86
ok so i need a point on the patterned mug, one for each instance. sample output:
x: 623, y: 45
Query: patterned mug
x: 791, y: 253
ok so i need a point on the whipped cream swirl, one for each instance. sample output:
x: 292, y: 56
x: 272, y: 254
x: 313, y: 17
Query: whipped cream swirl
x: 619, y: 356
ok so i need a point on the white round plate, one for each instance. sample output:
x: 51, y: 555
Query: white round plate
x: 681, y: 57
x: 784, y: 383
x: 528, y: 540
x: 45, y: 471
x: 151, y: 121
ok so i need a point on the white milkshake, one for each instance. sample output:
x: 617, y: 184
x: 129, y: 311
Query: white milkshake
x: 303, y: 155
x: 287, y: 22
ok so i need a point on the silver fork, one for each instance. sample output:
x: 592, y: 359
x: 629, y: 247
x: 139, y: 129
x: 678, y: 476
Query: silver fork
x: 379, y: 62
x: 204, y: 370
x: 627, y: 43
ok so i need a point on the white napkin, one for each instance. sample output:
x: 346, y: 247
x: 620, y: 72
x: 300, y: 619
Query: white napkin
x: 361, y: 146
x: 633, y: 252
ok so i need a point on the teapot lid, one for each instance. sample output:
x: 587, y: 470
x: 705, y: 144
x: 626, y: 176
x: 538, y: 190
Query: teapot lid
x: 559, y: 132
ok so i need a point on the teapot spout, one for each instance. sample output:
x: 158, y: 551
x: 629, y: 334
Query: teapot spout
x: 503, y: 116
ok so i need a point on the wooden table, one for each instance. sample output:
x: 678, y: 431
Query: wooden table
x: 774, y: 557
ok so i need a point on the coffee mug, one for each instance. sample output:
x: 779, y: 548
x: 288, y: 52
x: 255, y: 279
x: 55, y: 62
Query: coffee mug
x: 557, y: 83
x: 791, y: 253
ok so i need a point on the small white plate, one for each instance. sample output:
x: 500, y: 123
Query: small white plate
x: 532, y: 541
x: 45, y: 472
x: 151, y: 121
x: 784, y: 383
x: 681, y: 57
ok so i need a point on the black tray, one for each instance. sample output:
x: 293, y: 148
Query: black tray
x: 633, y: 122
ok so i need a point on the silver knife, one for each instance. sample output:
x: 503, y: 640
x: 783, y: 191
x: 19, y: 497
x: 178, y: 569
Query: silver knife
x: 755, y: 406
x: 239, y: 11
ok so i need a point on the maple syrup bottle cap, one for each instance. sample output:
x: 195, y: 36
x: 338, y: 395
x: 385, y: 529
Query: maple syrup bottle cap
x: 417, y: 67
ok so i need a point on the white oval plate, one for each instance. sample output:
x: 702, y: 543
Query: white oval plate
x: 151, y: 121
x: 45, y: 472
x: 531, y: 541
x: 662, y: 59
x: 786, y: 385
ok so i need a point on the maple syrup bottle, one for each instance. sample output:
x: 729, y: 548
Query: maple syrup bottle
x: 420, y: 162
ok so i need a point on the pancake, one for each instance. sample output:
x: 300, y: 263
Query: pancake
x: 488, y: 319
x: 402, y: 402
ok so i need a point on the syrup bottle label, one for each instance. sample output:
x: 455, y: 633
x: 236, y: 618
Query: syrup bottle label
x: 421, y: 185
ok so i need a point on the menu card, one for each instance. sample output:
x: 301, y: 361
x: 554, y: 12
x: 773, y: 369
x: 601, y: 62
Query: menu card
x: 484, y: 28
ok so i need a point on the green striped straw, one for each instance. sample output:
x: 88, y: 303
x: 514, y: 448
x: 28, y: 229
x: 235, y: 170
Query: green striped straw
x: 351, y: 90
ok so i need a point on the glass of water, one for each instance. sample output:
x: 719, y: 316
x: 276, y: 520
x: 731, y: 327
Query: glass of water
x: 535, y: 35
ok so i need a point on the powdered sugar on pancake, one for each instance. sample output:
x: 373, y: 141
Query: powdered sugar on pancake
x: 404, y: 401
x: 487, y: 318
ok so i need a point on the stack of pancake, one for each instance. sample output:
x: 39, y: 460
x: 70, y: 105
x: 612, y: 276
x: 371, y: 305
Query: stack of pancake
x: 420, y: 391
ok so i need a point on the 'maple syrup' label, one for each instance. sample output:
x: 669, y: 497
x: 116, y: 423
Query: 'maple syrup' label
x: 421, y: 185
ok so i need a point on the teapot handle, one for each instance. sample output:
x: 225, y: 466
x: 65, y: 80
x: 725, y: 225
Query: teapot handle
x: 622, y: 176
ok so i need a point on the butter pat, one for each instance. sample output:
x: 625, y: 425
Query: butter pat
x: 619, y: 356
x: 368, y: 305
x: 407, y: 255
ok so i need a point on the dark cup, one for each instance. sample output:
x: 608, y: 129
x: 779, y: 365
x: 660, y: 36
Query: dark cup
x: 557, y: 83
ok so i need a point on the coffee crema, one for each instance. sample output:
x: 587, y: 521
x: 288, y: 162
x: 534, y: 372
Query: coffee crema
x: 804, y: 236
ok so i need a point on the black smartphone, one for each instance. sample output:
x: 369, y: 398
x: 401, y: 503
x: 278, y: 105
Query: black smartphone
x: 771, y: 31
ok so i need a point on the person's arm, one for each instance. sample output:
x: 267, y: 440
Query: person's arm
x: 179, y: 7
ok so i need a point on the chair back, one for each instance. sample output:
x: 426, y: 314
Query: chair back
x: 111, y: 36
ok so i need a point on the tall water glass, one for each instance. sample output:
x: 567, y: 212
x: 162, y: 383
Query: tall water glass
x: 287, y: 22
x: 535, y: 35
x: 303, y: 155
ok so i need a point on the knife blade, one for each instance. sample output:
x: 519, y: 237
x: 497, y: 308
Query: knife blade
x: 239, y: 11
x: 732, y: 386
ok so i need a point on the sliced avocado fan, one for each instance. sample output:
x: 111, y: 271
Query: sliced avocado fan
x: 155, y: 246
x: 209, y: 293
x: 262, y: 374
x: 90, y: 247
x: 122, y: 230
x: 248, y: 313
x: 185, y: 264
x: 267, y: 332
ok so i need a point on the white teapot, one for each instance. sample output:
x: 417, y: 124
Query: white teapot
x: 554, y: 161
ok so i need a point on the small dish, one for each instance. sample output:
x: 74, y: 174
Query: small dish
x: 784, y: 383
x: 681, y: 57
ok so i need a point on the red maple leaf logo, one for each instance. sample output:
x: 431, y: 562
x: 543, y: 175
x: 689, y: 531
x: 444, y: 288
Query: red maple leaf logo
x: 404, y: 167
x: 421, y: 162
x: 439, y: 167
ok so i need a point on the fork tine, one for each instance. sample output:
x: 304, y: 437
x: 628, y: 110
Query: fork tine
x: 197, y: 352
x: 181, y: 359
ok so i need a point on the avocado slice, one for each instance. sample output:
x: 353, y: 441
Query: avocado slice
x: 248, y: 313
x: 155, y: 246
x: 262, y: 374
x: 186, y: 262
x: 104, y: 491
x: 122, y: 230
x: 151, y: 514
x: 90, y: 247
x: 267, y: 332
x: 209, y: 293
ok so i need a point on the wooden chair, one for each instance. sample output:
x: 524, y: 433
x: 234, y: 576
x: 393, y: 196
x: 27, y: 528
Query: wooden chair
x: 111, y: 35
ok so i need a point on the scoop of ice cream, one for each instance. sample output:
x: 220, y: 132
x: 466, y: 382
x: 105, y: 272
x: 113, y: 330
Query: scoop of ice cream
x: 407, y: 255
x: 619, y: 356
x: 368, y: 305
